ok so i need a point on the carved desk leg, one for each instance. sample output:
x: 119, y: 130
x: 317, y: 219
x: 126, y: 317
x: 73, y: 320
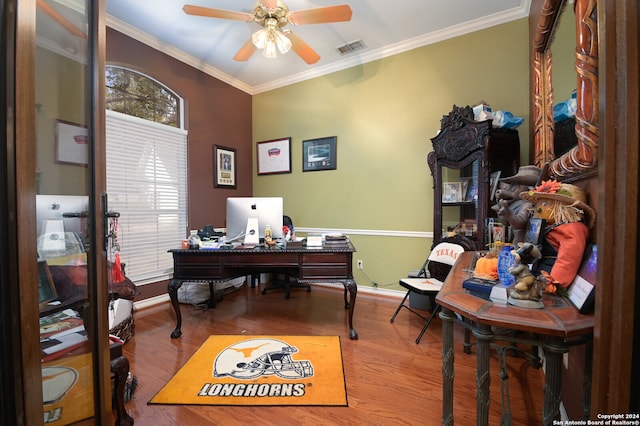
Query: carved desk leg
x: 120, y: 369
x: 174, y: 285
x: 447, y: 366
x: 353, y: 290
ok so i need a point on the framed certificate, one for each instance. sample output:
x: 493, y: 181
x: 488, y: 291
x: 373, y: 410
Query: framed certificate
x: 582, y: 289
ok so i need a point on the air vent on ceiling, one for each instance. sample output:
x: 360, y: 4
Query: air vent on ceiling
x: 345, y: 49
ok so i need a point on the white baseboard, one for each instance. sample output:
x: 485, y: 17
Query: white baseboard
x: 153, y: 301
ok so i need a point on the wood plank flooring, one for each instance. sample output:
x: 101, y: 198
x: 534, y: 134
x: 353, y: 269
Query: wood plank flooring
x: 390, y: 380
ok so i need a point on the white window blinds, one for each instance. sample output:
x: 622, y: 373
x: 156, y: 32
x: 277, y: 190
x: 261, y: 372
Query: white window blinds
x: 147, y: 185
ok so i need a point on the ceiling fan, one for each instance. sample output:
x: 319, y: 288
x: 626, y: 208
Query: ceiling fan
x: 273, y: 16
x: 60, y: 19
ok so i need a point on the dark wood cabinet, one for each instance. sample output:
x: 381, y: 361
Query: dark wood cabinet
x: 466, y: 153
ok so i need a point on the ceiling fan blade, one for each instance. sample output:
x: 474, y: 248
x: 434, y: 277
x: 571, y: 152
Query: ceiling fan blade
x: 321, y: 15
x: 269, y: 4
x: 61, y: 20
x: 216, y: 13
x: 302, y: 49
x: 245, y: 51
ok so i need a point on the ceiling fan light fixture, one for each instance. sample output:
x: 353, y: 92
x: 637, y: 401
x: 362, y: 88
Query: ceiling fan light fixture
x: 271, y: 39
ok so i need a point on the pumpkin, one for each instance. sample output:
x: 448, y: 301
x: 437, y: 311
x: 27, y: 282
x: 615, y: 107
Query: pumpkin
x: 487, y: 267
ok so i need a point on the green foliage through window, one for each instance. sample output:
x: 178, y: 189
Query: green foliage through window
x: 132, y: 93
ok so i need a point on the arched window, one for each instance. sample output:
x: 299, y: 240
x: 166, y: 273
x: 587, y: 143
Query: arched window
x: 146, y: 172
x: 132, y: 93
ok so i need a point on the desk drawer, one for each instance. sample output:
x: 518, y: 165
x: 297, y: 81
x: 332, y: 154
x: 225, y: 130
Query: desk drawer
x: 200, y: 266
x: 325, y: 271
x: 261, y: 259
x: 197, y: 271
x: 326, y: 265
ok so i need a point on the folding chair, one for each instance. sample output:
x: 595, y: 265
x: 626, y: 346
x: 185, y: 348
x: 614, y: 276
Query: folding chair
x: 428, y: 280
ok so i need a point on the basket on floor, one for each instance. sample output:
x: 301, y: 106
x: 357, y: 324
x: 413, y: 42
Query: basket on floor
x: 125, y: 329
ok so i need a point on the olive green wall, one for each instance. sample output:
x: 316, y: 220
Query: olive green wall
x: 384, y: 114
x: 59, y: 98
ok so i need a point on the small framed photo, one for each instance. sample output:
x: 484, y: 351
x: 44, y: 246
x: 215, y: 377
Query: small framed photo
x: 533, y: 233
x: 493, y: 184
x: 72, y: 143
x: 319, y: 154
x: 224, y: 167
x: 464, y: 184
x: 498, y: 233
x: 581, y: 292
x: 451, y: 192
x: 471, y: 192
x: 274, y: 156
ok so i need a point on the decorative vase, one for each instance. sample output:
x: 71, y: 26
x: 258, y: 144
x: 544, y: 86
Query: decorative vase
x: 194, y: 239
x: 506, y: 261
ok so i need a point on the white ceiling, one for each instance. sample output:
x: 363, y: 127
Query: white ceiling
x: 385, y: 27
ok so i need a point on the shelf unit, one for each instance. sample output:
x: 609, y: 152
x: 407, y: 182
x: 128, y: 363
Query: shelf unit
x: 468, y: 151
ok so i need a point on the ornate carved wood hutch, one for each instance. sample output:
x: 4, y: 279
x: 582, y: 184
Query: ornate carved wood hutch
x: 465, y: 154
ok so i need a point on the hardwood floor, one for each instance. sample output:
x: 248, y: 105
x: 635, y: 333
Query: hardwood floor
x: 389, y: 379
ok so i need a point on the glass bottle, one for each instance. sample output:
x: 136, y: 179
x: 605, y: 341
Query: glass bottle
x: 194, y: 239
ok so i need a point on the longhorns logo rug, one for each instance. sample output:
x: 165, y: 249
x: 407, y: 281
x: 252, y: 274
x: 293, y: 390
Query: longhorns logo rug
x: 260, y: 370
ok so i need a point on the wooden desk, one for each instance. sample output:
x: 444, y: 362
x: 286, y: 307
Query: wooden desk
x: 557, y: 326
x: 308, y: 265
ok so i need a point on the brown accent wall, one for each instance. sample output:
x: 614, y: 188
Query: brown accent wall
x: 215, y: 114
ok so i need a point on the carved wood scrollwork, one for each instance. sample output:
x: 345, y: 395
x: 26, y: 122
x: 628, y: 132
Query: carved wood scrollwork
x: 582, y: 159
x: 460, y: 134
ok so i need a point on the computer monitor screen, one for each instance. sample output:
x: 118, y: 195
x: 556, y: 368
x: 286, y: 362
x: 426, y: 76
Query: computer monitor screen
x: 56, y: 207
x: 268, y: 211
x: 61, y: 224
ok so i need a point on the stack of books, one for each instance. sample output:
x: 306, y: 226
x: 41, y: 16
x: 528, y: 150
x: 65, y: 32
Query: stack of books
x: 60, y: 334
x: 336, y: 241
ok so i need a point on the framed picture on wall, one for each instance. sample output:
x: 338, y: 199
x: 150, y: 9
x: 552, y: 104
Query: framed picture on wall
x: 72, y: 143
x: 319, y: 154
x: 274, y: 156
x: 224, y: 167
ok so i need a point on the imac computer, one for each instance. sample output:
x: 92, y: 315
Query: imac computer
x: 61, y: 223
x: 243, y: 213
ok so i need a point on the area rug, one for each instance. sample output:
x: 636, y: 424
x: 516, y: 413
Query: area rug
x: 260, y: 370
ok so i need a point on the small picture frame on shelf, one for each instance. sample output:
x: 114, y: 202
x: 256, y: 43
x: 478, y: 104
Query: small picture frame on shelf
x: 451, y: 192
x: 493, y: 184
x: 464, y: 184
x: 471, y: 193
x: 533, y: 233
x: 582, y: 290
x: 498, y: 234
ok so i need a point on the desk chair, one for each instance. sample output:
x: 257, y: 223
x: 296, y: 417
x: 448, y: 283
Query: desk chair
x: 282, y: 279
x: 429, y: 279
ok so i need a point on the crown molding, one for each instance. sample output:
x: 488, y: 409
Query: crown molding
x: 357, y: 60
